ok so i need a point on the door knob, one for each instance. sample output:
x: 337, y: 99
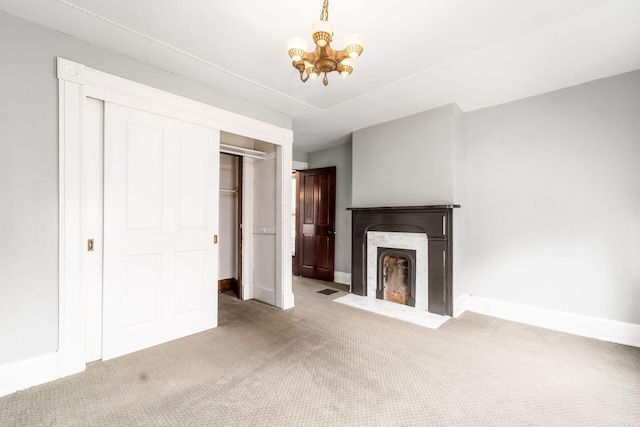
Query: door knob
x: 331, y: 232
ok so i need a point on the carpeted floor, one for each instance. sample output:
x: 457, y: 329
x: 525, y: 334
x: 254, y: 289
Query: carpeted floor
x: 324, y: 363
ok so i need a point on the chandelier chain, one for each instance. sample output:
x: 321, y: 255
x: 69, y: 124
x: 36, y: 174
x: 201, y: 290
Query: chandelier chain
x: 324, y: 16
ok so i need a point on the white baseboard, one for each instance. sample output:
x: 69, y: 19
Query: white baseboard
x: 577, y: 324
x: 39, y: 370
x: 264, y: 295
x: 342, y: 278
x: 460, y: 304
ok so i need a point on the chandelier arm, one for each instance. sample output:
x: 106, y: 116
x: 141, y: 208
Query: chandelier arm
x: 299, y: 65
x: 309, y: 57
x: 340, y: 55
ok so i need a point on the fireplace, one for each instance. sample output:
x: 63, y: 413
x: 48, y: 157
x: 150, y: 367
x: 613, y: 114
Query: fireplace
x: 427, y: 230
x: 396, y: 276
x: 414, y: 249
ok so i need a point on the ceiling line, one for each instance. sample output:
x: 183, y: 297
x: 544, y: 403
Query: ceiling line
x: 461, y: 58
x: 291, y: 98
x: 182, y: 52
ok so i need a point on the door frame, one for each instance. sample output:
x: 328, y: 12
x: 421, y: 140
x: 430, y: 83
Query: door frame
x: 76, y: 82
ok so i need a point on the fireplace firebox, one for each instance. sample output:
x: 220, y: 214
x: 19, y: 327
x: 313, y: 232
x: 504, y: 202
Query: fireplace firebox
x: 436, y: 222
x: 396, y: 276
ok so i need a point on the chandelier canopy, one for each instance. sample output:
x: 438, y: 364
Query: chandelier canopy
x: 324, y: 59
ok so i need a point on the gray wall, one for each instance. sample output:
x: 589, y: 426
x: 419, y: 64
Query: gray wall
x: 553, y: 200
x: 408, y: 161
x: 549, y: 188
x: 412, y: 161
x: 340, y: 157
x: 29, y: 171
x: 299, y: 156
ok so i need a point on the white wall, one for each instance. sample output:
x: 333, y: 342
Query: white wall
x: 408, y: 161
x: 553, y: 200
x: 29, y: 171
x: 228, y: 218
x: 340, y: 157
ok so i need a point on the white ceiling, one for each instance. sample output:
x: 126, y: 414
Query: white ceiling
x: 419, y: 54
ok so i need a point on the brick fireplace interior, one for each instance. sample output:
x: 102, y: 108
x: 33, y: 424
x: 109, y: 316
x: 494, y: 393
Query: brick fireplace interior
x: 396, y: 278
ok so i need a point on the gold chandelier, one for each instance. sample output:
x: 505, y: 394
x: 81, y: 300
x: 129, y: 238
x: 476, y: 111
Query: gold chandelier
x: 324, y: 59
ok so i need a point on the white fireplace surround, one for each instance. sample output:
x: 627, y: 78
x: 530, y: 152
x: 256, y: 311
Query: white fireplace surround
x: 419, y: 314
x: 409, y: 241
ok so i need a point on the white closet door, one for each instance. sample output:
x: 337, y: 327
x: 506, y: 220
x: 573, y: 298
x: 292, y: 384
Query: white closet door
x: 160, y: 218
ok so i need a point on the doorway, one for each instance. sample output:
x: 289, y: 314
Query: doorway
x: 315, y: 223
x: 76, y: 85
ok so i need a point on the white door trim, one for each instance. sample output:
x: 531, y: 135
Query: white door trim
x: 76, y: 82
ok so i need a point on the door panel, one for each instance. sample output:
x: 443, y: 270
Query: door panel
x: 316, y: 218
x: 160, y: 215
x: 192, y: 184
x: 308, y: 249
x: 191, y: 269
x: 141, y: 282
x: 143, y: 177
x: 309, y: 200
x: 324, y: 210
x: 324, y: 252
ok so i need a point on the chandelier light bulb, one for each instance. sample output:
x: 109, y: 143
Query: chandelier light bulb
x: 346, y: 68
x: 311, y: 70
x: 354, y: 45
x: 296, y: 47
x: 322, y: 33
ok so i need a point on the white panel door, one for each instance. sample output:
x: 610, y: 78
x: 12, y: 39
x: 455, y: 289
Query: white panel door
x: 160, y: 216
x: 264, y: 232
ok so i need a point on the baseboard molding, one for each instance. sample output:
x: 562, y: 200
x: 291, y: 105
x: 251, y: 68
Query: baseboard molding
x: 342, y: 278
x: 577, y: 324
x: 225, y: 285
x: 39, y: 370
x: 264, y: 295
x: 460, y: 304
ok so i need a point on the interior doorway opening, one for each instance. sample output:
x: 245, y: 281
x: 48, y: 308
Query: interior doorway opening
x: 193, y: 200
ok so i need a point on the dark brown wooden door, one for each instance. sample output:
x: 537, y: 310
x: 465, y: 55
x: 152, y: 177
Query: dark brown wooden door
x: 315, y: 237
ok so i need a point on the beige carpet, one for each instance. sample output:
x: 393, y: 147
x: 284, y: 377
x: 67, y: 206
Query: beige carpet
x: 324, y: 363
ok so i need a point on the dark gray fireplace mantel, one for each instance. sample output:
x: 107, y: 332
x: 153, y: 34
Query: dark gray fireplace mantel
x: 436, y: 221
